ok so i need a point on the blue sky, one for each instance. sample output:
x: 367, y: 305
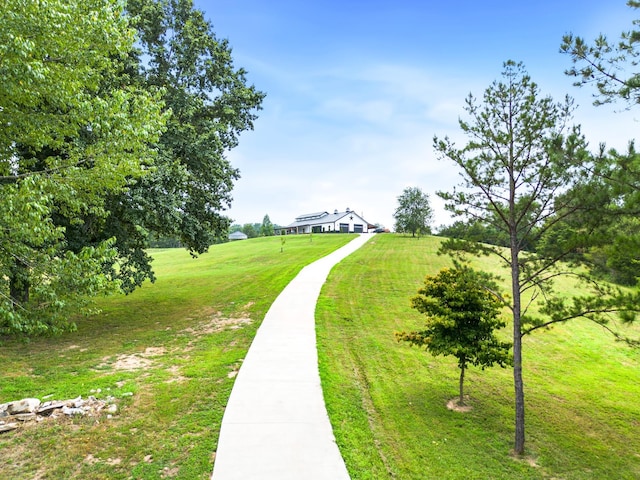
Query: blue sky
x: 356, y: 90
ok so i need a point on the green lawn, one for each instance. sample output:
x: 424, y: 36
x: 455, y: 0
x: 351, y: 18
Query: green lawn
x: 387, y: 401
x: 187, y: 334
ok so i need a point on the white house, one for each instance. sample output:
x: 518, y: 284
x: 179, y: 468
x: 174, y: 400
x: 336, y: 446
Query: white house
x: 325, y: 222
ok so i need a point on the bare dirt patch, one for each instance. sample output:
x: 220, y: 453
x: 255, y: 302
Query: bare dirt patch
x: 154, y: 351
x: 91, y: 460
x: 75, y: 347
x: 248, y: 305
x: 531, y: 462
x: 168, y: 472
x: 135, y: 361
x: 131, y: 362
x: 454, y: 404
x: 217, y: 323
x: 174, y: 370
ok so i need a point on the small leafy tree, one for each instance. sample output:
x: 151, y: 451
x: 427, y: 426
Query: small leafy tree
x: 414, y: 213
x: 266, y: 229
x: 249, y: 229
x: 462, y: 316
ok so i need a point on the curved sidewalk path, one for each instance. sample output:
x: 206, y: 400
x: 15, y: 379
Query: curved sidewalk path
x: 275, y: 426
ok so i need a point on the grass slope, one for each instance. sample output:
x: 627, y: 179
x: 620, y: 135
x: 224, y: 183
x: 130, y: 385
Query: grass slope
x: 176, y: 345
x: 387, y: 401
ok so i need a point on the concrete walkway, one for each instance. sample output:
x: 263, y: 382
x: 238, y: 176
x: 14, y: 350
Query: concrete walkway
x: 276, y: 425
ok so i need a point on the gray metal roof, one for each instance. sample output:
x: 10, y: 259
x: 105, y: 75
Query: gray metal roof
x: 329, y: 218
x: 237, y: 236
x: 309, y: 216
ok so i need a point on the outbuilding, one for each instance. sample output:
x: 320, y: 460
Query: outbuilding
x: 237, y: 236
x: 325, y: 222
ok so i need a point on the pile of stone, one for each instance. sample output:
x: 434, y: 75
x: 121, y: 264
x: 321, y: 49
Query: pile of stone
x: 14, y: 414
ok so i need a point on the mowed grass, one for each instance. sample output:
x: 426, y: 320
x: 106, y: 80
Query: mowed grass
x: 387, y: 401
x: 175, y: 345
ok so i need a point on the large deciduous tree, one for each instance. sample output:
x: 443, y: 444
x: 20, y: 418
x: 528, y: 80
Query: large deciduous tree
x: 463, y: 314
x: 210, y: 103
x: 413, y: 214
x: 521, y: 158
x: 69, y: 136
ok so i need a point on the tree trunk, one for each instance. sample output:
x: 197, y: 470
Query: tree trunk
x: 461, y: 399
x: 518, y: 384
x: 19, y: 283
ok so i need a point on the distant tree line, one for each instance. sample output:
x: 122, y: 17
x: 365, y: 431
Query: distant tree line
x: 616, y: 260
x: 253, y: 230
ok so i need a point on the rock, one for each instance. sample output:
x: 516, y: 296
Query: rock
x: 31, y: 409
x: 72, y: 411
x: 23, y: 417
x: 76, y: 402
x: 48, y: 407
x: 7, y: 427
x: 27, y: 405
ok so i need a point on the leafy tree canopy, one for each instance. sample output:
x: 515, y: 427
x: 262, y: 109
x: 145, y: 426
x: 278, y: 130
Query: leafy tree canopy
x: 208, y: 104
x: 413, y: 214
x: 211, y: 105
x: 251, y: 230
x: 463, y: 313
x: 116, y: 120
x: 69, y: 136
